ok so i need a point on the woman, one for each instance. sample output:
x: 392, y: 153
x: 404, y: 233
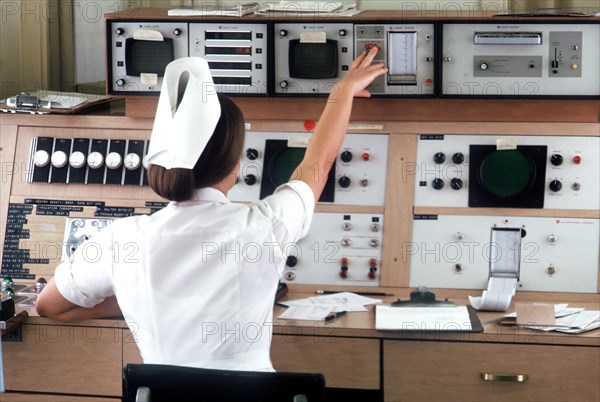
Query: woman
x: 196, y: 280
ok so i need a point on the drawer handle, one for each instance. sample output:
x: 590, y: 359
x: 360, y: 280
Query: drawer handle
x: 505, y: 377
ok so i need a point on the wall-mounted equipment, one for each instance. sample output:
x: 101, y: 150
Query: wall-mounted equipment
x: 139, y: 53
x: 408, y: 52
x: 518, y: 59
x: 311, y: 58
x: 236, y: 54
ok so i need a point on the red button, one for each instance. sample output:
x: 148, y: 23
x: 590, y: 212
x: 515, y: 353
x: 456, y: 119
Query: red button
x: 309, y: 125
x: 577, y: 159
x: 428, y: 81
x: 366, y: 156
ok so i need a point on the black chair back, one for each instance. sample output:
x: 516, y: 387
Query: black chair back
x: 187, y: 384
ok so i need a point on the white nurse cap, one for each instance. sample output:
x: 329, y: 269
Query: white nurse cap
x: 187, y: 114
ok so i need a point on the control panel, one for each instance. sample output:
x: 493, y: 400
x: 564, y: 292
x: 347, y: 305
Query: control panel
x: 87, y: 161
x: 236, y: 54
x: 556, y: 254
x: 513, y: 172
x: 520, y: 59
x: 340, y: 249
x: 311, y: 58
x: 140, y: 52
x: 270, y: 158
x: 408, y: 52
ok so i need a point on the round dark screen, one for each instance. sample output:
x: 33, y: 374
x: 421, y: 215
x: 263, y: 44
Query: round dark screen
x: 284, y: 163
x: 506, y: 173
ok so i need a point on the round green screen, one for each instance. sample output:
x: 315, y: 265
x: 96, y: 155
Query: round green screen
x: 505, y: 173
x: 285, y: 163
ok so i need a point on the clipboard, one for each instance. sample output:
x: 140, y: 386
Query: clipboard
x: 423, y: 313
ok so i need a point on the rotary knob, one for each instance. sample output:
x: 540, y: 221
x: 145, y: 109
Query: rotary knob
x: 439, y: 158
x: 456, y: 183
x: 283, y: 84
x: 132, y: 161
x: 343, y: 32
x: 250, y: 179
x: 114, y: 160
x: 119, y: 31
x: 77, y: 160
x: 177, y: 32
x: 121, y: 82
x: 251, y: 154
x: 283, y: 33
x: 346, y: 156
x: 556, y: 160
x: 483, y: 66
x: 458, y: 158
x: 555, y: 185
x: 291, y: 261
x: 552, y: 238
x: 344, y: 182
x: 41, y: 158
x: 59, y: 159
x: 95, y: 160
x: 437, y: 183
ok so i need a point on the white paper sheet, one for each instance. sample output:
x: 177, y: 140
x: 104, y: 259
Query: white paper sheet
x: 389, y: 318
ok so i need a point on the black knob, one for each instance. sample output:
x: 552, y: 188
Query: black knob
x: 346, y: 156
x: 291, y: 261
x: 250, y: 179
x: 437, y: 184
x: 555, y: 185
x: 439, y: 158
x: 119, y: 31
x: 177, y: 32
x: 121, y: 82
x: 283, y: 84
x: 251, y: 154
x: 344, y: 181
x: 556, y: 160
x: 456, y: 183
x: 343, y: 32
x: 458, y: 158
x: 283, y: 33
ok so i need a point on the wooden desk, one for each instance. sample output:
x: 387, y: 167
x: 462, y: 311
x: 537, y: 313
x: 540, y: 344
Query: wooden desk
x: 84, y: 360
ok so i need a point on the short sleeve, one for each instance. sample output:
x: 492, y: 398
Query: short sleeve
x: 86, y: 278
x: 292, y: 206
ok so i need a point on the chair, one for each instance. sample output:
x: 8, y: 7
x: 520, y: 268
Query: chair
x: 166, y: 383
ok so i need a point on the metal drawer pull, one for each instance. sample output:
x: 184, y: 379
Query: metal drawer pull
x: 504, y: 377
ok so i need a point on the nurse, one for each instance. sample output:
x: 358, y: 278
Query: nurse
x: 196, y: 281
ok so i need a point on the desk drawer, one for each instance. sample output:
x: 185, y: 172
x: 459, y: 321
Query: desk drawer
x: 452, y: 372
x: 345, y: 362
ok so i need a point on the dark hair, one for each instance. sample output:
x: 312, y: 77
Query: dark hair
x: 218, y: 160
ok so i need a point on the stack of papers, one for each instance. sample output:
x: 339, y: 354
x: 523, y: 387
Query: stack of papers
x: 310, y: 7
x: 319, y: 307
x: 210, y: 9
x: 565, y: 319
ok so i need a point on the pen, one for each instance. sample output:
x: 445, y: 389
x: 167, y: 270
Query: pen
x: 334, y: 315
x: 330, y: 292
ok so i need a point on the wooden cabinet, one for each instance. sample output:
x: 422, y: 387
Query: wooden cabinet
x: 453, y: 371
x: 65, y: 359
x: 25, y: 397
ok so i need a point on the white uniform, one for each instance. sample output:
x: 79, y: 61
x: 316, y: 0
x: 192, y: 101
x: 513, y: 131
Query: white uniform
x: 196, y: 281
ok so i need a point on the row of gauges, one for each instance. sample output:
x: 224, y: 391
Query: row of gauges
x: 87, y: 161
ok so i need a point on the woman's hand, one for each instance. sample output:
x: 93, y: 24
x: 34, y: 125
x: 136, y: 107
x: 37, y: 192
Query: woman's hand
x: 361, y: 74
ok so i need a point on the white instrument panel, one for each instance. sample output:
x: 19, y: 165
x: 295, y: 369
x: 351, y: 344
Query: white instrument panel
x: 518, y: 59
x: 358, y: 181
x: 571, y: 161
x: 557, y: 254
